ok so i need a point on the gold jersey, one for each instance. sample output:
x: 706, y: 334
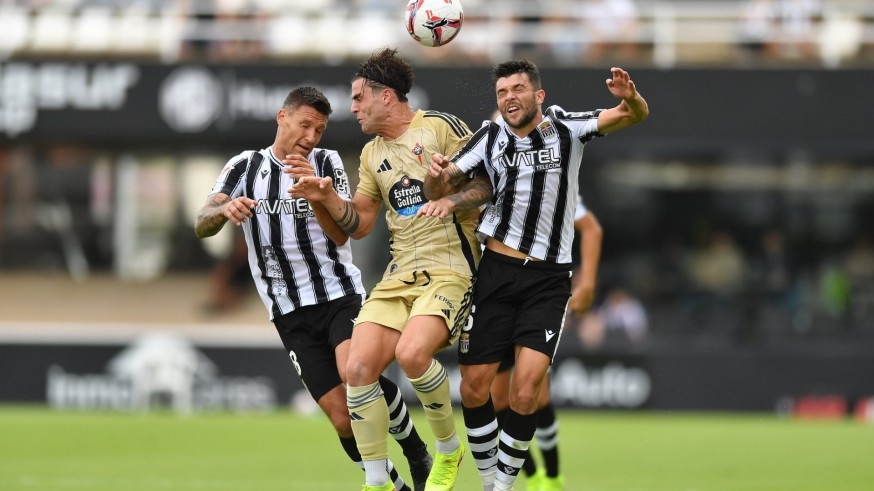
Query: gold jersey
x: 393, y: 172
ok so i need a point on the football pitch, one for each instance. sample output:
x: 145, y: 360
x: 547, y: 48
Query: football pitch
x: 43, y: 450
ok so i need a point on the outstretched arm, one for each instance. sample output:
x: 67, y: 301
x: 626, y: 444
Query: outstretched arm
x: 218, y: 209
x: 632, y: 110
x: 354, y: 218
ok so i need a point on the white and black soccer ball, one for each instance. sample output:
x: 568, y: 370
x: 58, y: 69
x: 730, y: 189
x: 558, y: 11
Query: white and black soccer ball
x: 433, y: 22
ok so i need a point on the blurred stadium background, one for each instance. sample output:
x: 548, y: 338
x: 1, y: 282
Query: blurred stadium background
x: 738, y: 264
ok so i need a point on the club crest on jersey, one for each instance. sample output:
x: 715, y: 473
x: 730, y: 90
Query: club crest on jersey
x: 407, y: 196
x: 546, y: 129
x: 418, y: 150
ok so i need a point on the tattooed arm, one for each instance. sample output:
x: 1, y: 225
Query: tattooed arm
x: 474, y: 194
x: 443, y: 177
x: 355, y: 218
x: 218, y: 209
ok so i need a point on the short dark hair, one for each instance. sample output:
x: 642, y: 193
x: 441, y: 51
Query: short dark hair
x: 513, y: 67
x: 308, y: 96
x: 385, y: 68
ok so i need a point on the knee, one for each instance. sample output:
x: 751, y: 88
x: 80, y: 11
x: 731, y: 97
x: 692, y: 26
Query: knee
x: 474, y: 390
x: 524, y: 400
x: 413, y: 361
x: 342, y: 423
x: 359, y: 372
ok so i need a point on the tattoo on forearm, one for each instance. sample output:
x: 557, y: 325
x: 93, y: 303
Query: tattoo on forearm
x: 454, y: 175
x: 211, y: 219
x: 350, y: 220
x: 474, y: 194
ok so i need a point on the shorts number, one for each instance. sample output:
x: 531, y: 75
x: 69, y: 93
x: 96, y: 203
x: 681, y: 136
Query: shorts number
x: 294, y: 361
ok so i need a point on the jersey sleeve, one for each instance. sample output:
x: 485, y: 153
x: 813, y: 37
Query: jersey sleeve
x: 367, y: 184
x: 232, y: 177
x: 453, y: 134
x: 583, y: 125
x: 473, y: 154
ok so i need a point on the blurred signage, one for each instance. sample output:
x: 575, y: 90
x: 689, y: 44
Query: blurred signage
x: 27, y: 89
x: 131, y: 103
x: 159, y: 369
x: 208, y: 372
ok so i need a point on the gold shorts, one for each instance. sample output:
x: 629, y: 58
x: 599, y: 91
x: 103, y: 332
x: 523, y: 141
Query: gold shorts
x: 446, y: 294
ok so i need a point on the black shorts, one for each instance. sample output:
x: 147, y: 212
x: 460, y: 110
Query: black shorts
x: 310, y: 335
x: 515, y: 302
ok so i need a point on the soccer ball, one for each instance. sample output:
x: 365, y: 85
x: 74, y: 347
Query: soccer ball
x: 433, y: 22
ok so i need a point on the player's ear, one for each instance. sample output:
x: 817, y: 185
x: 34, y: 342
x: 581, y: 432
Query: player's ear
x: 540, y: 95
x: 280, y: 116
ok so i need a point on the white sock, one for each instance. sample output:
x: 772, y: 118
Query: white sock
x: 448, y: 446
x: 375, y: 472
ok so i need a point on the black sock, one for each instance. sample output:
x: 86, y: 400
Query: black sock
x: 518, y: 431
x: 482, y: 433
x: 403, y: 430
x: 547, y: 439
x: 351, y: 449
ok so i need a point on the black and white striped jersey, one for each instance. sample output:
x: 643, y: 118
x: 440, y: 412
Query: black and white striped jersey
x: 293, y: 262
x: 536, y: 180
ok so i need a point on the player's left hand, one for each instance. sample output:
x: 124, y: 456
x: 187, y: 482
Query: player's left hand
x: 311, y: 188
x: 621, y: 85
x: 297, y: 166
x: 441, y: 208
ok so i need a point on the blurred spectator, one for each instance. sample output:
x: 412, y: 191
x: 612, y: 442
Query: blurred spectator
x: 797, y: 28
x: 834, y: 293
x: 224, y: 30
x: 773, y: 296
x: 612, y: 26
x: 758, y: 24
x: 620, y: 322
x: 719, y: 268
x: 717, y: 274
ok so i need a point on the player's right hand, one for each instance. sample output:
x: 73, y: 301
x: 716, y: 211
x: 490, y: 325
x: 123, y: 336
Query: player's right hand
x: 239, y: 209
x: 438, y: 163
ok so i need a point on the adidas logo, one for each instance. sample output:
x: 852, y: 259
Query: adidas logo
x: 434, y: 405
x: 384, y: 166
x: 446, y: 312
x: 356, y: 417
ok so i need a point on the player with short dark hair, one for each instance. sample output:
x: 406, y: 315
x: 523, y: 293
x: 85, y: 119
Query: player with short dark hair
x: 548, y: 477
x: 311, y: 288
x: 419, y: 306
x: 532, y: 160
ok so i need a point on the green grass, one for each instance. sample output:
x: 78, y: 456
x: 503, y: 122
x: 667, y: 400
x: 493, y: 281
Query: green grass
x: 42, y: 450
